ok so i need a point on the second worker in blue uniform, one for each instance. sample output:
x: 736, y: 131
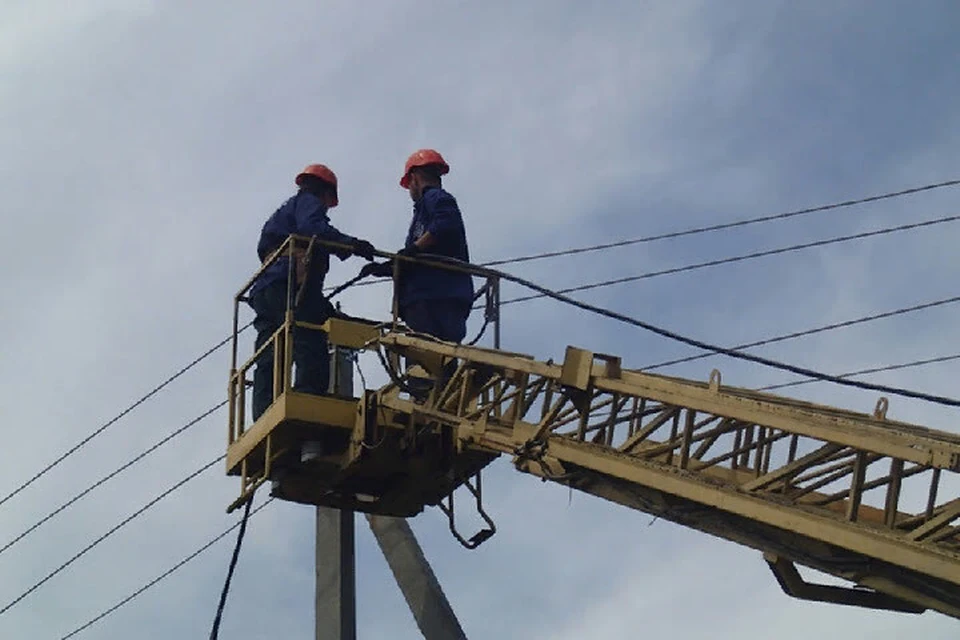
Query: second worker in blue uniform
x: 432, y: 300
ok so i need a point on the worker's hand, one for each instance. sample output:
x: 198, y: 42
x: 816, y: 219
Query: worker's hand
x: 363, y: 249
x: 410, y: 251
x: 378, y: 269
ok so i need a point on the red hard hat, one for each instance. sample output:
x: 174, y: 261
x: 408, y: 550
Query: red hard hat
x: 324, y: 173
x: 422, y: 158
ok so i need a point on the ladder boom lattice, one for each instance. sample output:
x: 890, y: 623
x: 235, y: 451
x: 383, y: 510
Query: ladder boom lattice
x: 854, y: 495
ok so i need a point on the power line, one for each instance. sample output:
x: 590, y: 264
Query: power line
x: 863, y: 372
x: 726, y: 225
x: 109, y: 533
x: 120, y: 415
x: 437, y: 261
x: 107, y: 477
x: 807, y: 332
x: 163, y: 575
x: 740, y: 258
x: 736, y: 354
x: 698, y: 230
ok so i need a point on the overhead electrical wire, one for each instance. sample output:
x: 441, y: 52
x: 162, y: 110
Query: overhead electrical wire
x: 807, y: 332
x: 120, y: 415
x: 163, y: 575
x: 775, y: 364
x: 709, y: 228
x: 439, y: 261
x: 109, y: 533
x: 863, y: 372
x: 740, y: 258
x: 110, y: 475
x: 527, y: 258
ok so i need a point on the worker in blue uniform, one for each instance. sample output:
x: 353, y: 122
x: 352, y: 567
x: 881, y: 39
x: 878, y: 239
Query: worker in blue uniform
x: 304, y: 214
x: 432, y: 300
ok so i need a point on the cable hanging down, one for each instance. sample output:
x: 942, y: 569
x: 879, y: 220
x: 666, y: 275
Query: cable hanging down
x: 215, y: 631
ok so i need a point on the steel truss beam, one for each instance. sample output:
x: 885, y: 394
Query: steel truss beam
x: 854, y: 495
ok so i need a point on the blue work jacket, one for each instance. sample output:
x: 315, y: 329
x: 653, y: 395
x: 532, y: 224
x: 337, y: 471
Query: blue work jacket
x: 437, y: 212
x: 303, y: 214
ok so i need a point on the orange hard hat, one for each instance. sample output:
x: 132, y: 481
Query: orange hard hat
x: 422, y: 158
x: 324, y: 173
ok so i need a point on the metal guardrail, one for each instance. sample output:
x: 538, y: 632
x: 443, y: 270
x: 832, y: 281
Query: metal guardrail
x: 296, y: 248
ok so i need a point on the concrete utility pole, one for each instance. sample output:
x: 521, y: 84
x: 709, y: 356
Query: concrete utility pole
x: 336, y: 592
x: 416, y: 579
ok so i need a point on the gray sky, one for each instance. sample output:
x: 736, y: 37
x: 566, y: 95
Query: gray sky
x: 144, y: 143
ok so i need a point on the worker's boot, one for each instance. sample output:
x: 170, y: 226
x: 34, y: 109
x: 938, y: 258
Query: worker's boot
x: 419, y: 389
x: 311, y: 450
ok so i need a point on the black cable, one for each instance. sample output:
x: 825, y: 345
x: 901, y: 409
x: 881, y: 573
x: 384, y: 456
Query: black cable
x: 476, y: 339
x: 363, y: 378
x: 162, y: 576
x: 807, y: 332
x: 810, y: 373
x: 863, y: 372
x: 107, y: 477
x: 440, y: 261
x: 109, y: 533
x: 714, y: 227
x: 740, y: 258
x: 215, y: 631
x: 106, y: 425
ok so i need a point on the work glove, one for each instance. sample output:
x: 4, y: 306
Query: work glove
x: 363, y: 249
x: 410, y: 251
x: 378, y: 269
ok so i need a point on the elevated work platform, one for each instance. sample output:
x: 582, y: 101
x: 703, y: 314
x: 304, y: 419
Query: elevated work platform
x: 859, y: 496
x: 355, y: 461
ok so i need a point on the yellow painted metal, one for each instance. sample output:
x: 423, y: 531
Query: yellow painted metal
x: 783, y: 476
x: 350, y: 333
x: 856, y: 495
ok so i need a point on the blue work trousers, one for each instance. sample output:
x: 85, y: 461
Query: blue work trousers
x: 311, y: 356
x: 443, y: 318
